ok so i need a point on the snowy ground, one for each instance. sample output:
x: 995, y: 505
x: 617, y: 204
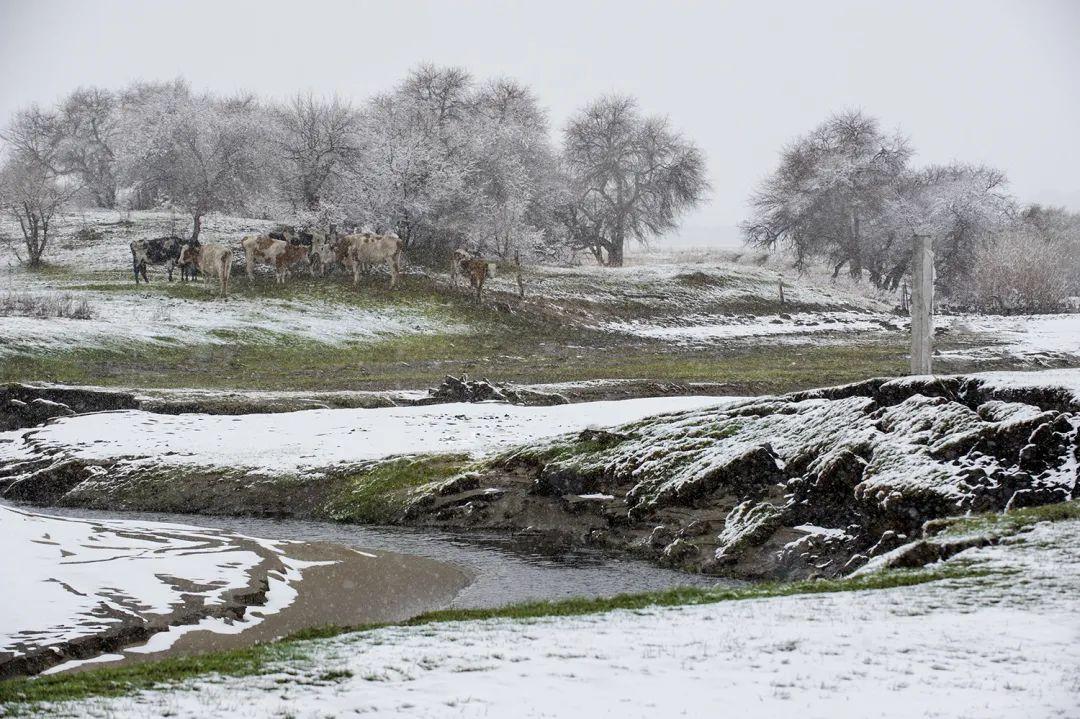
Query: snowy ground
x: 1023, y: 338
x: 314, y: 439
x: 801, y: 327
x: 1002, y: 645
x: 78, y: 577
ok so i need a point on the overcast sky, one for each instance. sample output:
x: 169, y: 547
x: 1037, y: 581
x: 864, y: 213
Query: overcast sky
x: 981, y: 81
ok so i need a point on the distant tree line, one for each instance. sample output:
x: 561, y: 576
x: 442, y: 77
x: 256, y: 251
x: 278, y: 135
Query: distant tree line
x: 847, y: 194
x: 442, y: 159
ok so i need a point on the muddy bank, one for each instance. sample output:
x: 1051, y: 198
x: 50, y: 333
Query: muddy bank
x: 30, y: 404
x: 93, y: 591
x: 25, y: 405
x: 344, y: 588
x: 813, y: 484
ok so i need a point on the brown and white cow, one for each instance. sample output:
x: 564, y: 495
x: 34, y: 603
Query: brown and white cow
x: 261, y: 248
x: 292, y: 255
x: 474, y: 267
x: 212, y: 261
x: 366, y: 248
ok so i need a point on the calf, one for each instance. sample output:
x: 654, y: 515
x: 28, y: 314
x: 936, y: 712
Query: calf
x: 366, y: 248
x: 261, y: 248
x: 321, y: 254
x: 477, y: 269
x: 212, y: 261
x: 160, y: 251
x: 291, y: 255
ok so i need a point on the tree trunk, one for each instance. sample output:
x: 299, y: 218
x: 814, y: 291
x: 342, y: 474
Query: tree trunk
x: 615, y: 255
x: 196, y: 226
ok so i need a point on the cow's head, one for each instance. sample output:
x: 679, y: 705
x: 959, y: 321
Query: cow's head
x: 189, y: 254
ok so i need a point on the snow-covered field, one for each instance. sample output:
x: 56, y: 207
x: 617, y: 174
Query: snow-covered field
x: 997, y: 646
x: 800, y: 327
x: 66, y: 578
x: 665, y: 287
x: 314, y: 439
x: 1024, y: 337
x: 120, y: 319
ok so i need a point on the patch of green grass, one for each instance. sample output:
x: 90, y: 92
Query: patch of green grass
x: 380, y: 495
x: 1010, y: 522
x: 117, y: 681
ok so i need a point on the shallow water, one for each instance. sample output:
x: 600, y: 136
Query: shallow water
x: 503, y: 571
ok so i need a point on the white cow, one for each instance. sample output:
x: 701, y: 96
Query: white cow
x: 366, y: 248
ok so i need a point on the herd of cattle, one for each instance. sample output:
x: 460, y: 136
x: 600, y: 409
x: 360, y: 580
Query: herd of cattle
x: 287, y: 250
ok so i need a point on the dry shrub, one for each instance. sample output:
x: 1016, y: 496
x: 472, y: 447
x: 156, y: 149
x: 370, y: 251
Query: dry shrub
x: 21, y: 304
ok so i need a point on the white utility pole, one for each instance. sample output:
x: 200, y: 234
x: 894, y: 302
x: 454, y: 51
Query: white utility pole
x: 922, y: 304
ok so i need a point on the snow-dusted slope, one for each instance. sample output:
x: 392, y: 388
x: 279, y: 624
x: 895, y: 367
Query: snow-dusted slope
x: 314, y: 439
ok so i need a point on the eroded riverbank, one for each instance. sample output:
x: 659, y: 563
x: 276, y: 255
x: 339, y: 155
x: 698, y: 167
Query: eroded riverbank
x: 93, y: 591
x: 338, y: 575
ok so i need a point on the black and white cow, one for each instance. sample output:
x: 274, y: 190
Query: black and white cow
x: 161, y: 251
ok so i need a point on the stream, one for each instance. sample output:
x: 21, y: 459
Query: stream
x: 503, y: 571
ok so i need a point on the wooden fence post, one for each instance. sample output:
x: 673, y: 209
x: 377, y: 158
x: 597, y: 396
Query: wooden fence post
x: 922, y: 304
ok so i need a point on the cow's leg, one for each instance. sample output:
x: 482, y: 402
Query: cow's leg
x: 249, y: 261
x: 142, y: 268
x: 393, y: 273
x: 135, y: 269
x: 355, y: 273
x: 169, y: 267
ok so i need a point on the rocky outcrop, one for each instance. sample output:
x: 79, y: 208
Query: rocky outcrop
x: 463, y: 389
x: 809, y: 484
x: 24, y: 405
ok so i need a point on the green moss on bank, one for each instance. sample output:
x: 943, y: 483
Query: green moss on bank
x: 380, y: 494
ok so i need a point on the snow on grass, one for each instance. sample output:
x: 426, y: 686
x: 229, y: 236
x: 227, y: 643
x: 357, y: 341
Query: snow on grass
x: 66, y: 578
x: 313, y: 439
x: 118, y: 319
x: 678, y: 288
x: 996, y: 645
x: 800, y: 327
x: 110, y: 249
x: 1020, y: 336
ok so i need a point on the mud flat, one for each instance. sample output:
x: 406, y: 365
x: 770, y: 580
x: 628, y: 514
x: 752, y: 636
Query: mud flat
x: 93, y: 592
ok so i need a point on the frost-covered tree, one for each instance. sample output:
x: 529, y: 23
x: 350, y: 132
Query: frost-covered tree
x: 1059, y: 229
x: 846, y: 194
x: 198, y: 153
x: 513, y: 169
x: 317, y: 141
x: 1032, y: 265
x: 964, y: 208
x: 406, y: 181
x: 828, y: 196
x: 33, y: 188
x: 633, y: 176
x: 89, y: 122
